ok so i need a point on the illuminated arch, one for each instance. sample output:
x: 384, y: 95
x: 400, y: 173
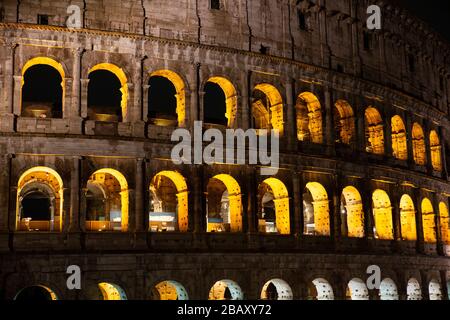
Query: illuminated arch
x: 413, y: 290
x: 169, y: 290
x: 408, y: 218
x: 270, y: 116
x: 29, y: 294
x: 235, y: 202
x: 180, y: 96
x: 309, y: 118
x: 226, y: 290
x: 435, y: 290
x: 124, y: 194
x: 428, y: 221
x: 47, y: 177
x: 318, y: 221
x: 388, y: 290
x: 120, y: 74
x: 182, y: 196
x: 445, y: 223
x: 419, y: 149
x: 382, y: 212
x: 399, y: 144
x: 344, y: 122
x: 281, y: 204
x: 374, y: 131
x: 354, y: 213
x: 276, y: 289
x: 231, y: 99
x: 321, y: 290
x: 435, y: 146
x: 111, y: 291
x: 357, y: 290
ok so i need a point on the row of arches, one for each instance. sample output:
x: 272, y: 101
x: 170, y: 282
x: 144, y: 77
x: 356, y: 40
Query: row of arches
x: 274, y: 289
x: 40, y: 198
x: 107, y: 94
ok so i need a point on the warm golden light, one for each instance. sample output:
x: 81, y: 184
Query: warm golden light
x: 344, y: 122
x: 408, y: 218
x: 309, y: 118
x: 445, y: 223
x: 354, y: 211
x: 226, y: 290
x: 435, y: 146
x: 111, y: 291
x: 170, y: 290
x: 399, y: 145
x: 374, y: 131
x: 231, y: 100
x: 428, y: 221
x: 321, y: 209
x: 281, y: 203
x: 419, y: 149
x: 268, y: 114
x: 382, y: 213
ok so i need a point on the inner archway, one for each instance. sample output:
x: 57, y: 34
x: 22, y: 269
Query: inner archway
x: 344, y: 122
x: 226, y: 290
x: 382, y: 213
x: 267, y: 108
x: 37, y: 293
x: 435, y: 146
x: 276, y: 289
x: 320, y: 289
x: 309, y: 118
x: 220, y: 102
x: 413, y: 290
x: 316, y: 210
x: 169, y: 290
x: 169, y: 209
x: 388, y: 290
x: 111, y: 291
x: 408, y: 218
x: 374, y: 131
x: 435, y: 290
x: 273, y: 207
x: 357, y: 290
x: 445, y: 223
x: 224, y: 204
x: 428, y: 221
x: 352, y: 213
x: 162, y: 101
x: 399, y: 144
x: 419, y: 148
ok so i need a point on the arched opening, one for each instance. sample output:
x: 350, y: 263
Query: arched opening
x: 320, y: 289
x: 352, y: 213
x: 42, y: 89
x: 408, y: 218
x: 428, y: 221
x: 220, y: 102
x: 419, y: 149
x: 267, y: 108
x: 399, y: 144
x: 107, y: 201
x: 344, y: 122
x: 357, y: 290
x: 169, y: 290
x: 316, y: 210
x: 36, y: 294
x: 374, y: 131
x: 435, y: 290
x: 413, y: 290
x: 276, y: 289
x: 435, y: 146
x: 226, y: 290
x: 273, y: 207
x: 107, y: 93
x: 445, y: 223
x: 224, y: 209
x: 309, y: 118
x: 168, y: 203
x: 39, y: 200
x: 388, y: 290
x: 111, y: 291
x: 382, y: 213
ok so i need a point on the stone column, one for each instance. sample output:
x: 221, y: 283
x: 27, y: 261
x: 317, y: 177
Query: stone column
x: 145, y: 90
x: 443, y: 138
x: 419, y: 222
x: 76, y: 85
x: 329, y: 126
x: 360, y: 129
x: 17, y: 95
x: 336, y: 218
x: 388, y: 151
x: 245, y: 106
x: 290, y: 122
x: 396, y: 219
x: 9, y: 78
x: 296, y: 182
x: 409, y: 137
x: 427, y: 131
x: 74, y: 224
x: 140, y: 176
x: 4, y: 191
x: 198, y: 195
x: 138, y: 82
x: 194, y: 81
x: 368, y: 208
x: 252, y: 205
x: 84, y: 97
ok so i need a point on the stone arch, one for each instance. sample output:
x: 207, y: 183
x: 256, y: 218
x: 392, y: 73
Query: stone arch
x: 115, y: 185
x: 169, y: 290
x: 444, y: 219
x: 399, y: 144
x: 41, y: 179
x: 170, y: 203
x: 276, y: 289
x: 180, y: 93
x: 357, y: 290
x: 413, y: 290
x: 111, y: 291
x: 344, y: 122
x: 388, y: 290
x: 316, y: 210
x: 435, y: 290
x: 231, y: 99
x: 309, y: 118
x: 435, y: 146
x: 419, y: 147
x: 273, y: 199
x: 223, y: 189
x: 428, y: 221
x: 352, y: 213
x: 226, y: 290
x: 121, y: 76
x: 267, y: 108
x: 35, y: 294
x: 408, y: 218
x: 382, y: 213
x: 374, y: 131
x: 320, y: 289
x: 41, y: 109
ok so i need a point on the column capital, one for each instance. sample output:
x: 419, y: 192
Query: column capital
x: 78, y: 52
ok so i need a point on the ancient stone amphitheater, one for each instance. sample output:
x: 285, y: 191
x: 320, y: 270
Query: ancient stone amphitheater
x: 86, y: 177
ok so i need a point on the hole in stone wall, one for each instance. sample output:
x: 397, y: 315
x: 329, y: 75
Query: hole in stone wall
x: 162, y: 102
x: 104, y: 96
x: 214, y: 105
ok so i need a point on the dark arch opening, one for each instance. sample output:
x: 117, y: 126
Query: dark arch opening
x: 42, y: 92
x: 162, y: 101
x: 214, y: 105
x: 271, y: 292
x: 104, y: 96
x: 34, y: 294
x: 37, y: 206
